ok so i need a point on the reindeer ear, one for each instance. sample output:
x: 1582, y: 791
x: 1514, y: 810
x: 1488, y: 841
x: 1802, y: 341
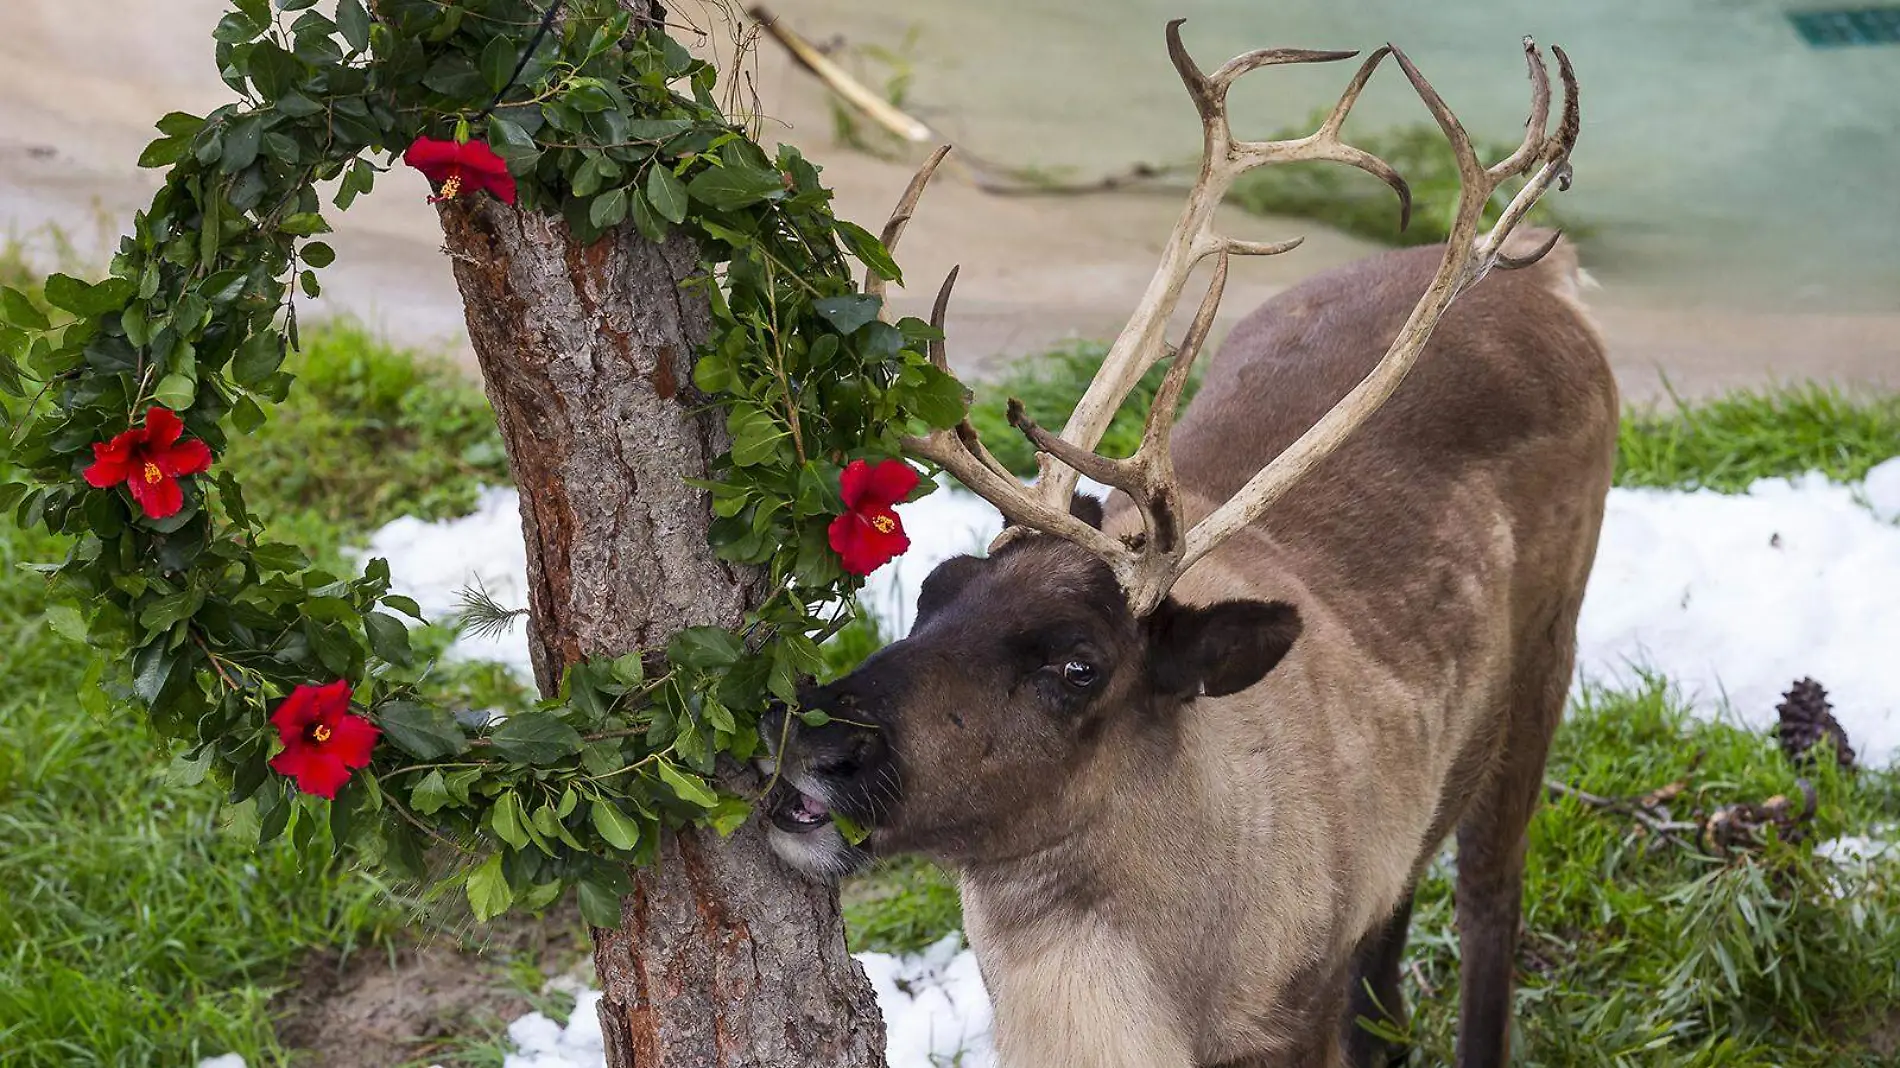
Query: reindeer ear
x: 943, y: 584
x: 1087, y: 509
x: 1217, y: 649
x: 1082, y: 506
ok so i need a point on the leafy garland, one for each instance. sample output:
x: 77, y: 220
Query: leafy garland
x: 274, y: 672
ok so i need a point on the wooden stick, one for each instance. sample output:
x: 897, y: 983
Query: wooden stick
x: 874, y: 107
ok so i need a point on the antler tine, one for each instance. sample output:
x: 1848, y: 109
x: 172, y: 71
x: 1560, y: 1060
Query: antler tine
x: 940, y: 347
x: 960, y: 451
x: 1324, y: 143
x: 1140, y: 344
x: 1148, y: 476
x: 1465, y: 261
x: 940, y: 356
x: 1552, y: 158
x: 1536, y: 125
x: 874, y: 283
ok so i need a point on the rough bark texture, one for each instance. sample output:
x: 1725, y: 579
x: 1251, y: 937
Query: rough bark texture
x: 725, y: 957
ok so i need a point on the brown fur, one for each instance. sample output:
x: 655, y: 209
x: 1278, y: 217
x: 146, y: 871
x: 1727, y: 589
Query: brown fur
x: 1161, y: 879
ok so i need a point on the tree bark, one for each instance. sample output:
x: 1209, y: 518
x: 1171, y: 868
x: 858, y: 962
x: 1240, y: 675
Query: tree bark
x: 725, y: 957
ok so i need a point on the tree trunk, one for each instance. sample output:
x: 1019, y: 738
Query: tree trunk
x: 725, y: 957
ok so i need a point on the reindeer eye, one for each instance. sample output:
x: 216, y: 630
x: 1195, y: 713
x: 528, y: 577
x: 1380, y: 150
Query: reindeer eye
x: 1078, y: 674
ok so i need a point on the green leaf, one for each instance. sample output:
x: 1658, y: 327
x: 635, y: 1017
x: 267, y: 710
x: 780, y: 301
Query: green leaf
x: 629, y: 671
x: 848, y: 312
x: 258, y: 358
x: 353, y: 21
x: 704, y: 647
x: 317, y: 254
x: 431, y: 795
x: 189, y: 768
x: 176, y: 392
x: 616, y: 827
x: 388, y: 638
x: 511, y: 142
x: 667, y: 194
x: 498, y: 61
x: 869, y: 250
x: 303, y: 224
x: 600, y: 905
x: 731, y: 188
x: 426, y: 732
x: 151, y: 669
x: 85, y: 300
x: 687, y: 787
x: 164, y: 152
x: 508, y: 820
x: 729, y: 815
x: 236, y: 28
x: 645, y: 219
x: 180, y: 124
x: 488, y: 892
x: 755, y: 435
x: 166, y: 612
x: 656, y: 129
x: 406, y: 605
x: 535, y: 738
x: 241, y: 142
x: 850, y: 829
x: 608, y: 209
x: 588, y: 99
x: 939, y: 400
x: 65, y: 621
x: 246, y: 416
x: 21, y: 311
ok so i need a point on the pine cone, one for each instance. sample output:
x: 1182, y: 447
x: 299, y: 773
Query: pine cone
x: 1806, y: 718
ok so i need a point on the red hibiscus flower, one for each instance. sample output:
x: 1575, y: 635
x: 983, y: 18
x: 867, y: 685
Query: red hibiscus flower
x: 456, y: 167
x: 150, y: 460
x: 869, y: 534
x: 323, y: 740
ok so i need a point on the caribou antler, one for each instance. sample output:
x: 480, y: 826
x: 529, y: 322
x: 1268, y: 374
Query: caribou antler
x: 1147, y: 565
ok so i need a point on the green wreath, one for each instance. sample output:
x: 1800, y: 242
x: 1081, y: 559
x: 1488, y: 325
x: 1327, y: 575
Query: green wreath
x: 299, y: 685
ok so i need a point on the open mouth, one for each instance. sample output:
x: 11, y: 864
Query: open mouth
x: 796, y: 811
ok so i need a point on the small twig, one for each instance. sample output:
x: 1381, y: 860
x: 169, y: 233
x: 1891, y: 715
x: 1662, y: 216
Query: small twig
x: 428, y: 830
x: 215, y: 665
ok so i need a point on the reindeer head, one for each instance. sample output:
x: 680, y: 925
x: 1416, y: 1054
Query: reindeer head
x: 985, y: 733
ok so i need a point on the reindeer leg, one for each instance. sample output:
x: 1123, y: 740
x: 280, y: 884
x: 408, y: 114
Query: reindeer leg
x: 1375, y: 994
x: 1491, y: 844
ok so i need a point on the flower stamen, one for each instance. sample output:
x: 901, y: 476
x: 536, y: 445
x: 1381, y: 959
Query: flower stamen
x: 321, y: 733
x: 152, y: 474
x: 884, y: 524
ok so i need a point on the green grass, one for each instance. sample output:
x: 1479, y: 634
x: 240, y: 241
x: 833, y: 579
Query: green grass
x: 139, y: 929
x: 1642, y: 953
x: 1726, y: 443
x: 1357, y: 203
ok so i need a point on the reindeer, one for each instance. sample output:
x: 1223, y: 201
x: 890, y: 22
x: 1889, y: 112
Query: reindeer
x: 1190, y: 758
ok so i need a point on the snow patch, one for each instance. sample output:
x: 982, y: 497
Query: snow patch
x: 1732, y: 597
x: 434, y: 562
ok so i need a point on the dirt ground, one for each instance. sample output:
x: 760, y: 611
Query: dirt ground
x: 81, y: 82
x: 433, y: 993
